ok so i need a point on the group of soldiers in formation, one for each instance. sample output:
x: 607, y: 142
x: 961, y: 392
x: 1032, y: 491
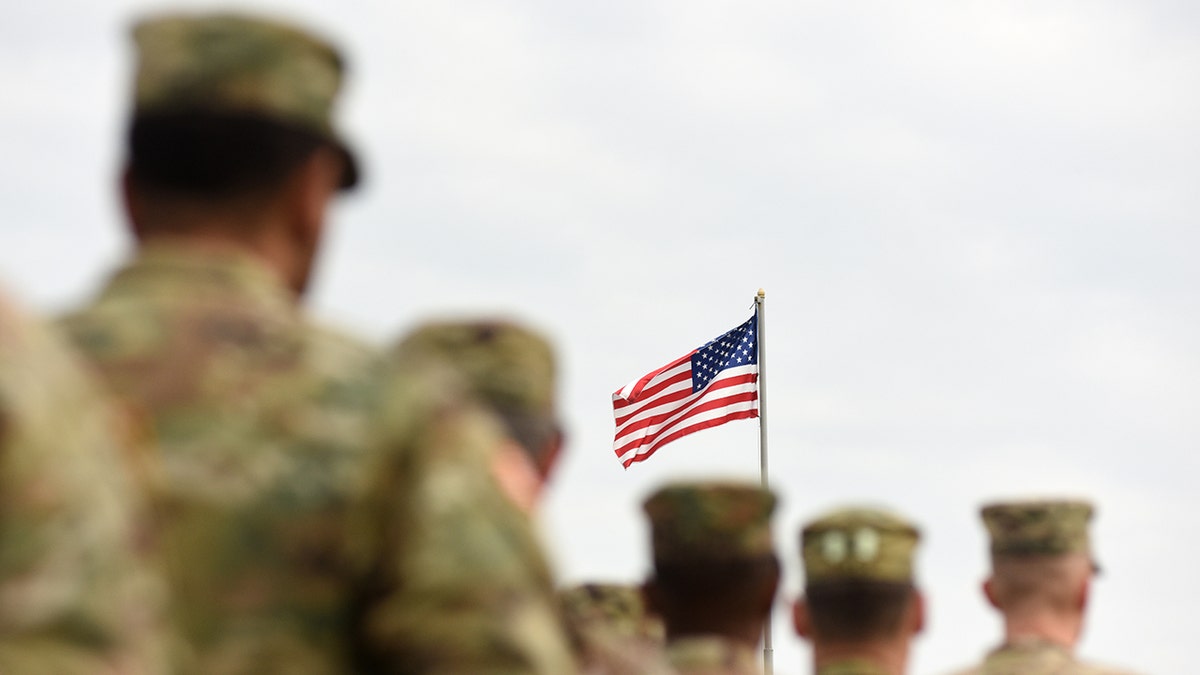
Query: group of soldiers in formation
x: 195, y: 478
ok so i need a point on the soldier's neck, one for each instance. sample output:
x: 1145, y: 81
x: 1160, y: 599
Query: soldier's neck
x: 888, y: 655
x: 262, y: 243
x: 1045, y: 626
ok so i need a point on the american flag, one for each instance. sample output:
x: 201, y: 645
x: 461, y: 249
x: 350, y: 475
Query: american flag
x: 704, y: 388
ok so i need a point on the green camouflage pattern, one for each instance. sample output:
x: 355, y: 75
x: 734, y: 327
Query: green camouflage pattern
x: 506, y: 365
x: 611, y: 630
x: 850, y: 667
x: 260, y: 420
x: 618, y: 607
x: 230, y: 62
x: 710, y: 520
x: 77, y: 593
x: 711, y: 655
x: 858, y: 543
x: 235, y: 63
x: 1043, y: 527
x: 457, y: 581
x: 1036, y: 657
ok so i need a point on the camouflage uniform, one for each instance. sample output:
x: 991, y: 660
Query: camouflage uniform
x: 1038, y: 528
x: 850, y: 667
x: 260, y: 419
x: 1036, y: 657
x: 712, y: 655
x: 76, y: 595
x: 857, y: 545
x: 710, y: 521
x: 463, y: 593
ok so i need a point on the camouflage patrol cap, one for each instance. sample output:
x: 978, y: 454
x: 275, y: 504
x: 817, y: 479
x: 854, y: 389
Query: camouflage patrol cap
x: 615, y: 607
x: 238, y: 64
x: 509, y: 366
x: 1045, y: 527
x: 858, y: 544
x: 710, y: 521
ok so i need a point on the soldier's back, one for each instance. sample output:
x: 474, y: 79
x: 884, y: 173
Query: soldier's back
x: 76, y: 595
x: 259, y: 420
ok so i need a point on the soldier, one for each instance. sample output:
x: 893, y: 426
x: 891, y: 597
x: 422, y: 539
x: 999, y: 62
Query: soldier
x: 715, y: 574
x: 511, y: 370
x: 1042, y: 566
x: 860, y: 609
x: 259, y: 415
x: 298, y: 466
x: 485, y: 602
x: 280, y: 440
x: 76, y: 594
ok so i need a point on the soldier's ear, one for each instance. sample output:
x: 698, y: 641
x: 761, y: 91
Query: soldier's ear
x: 548, y: 458
x: 800, y: 619
x: 309, y: 190
x: 989, y: 592
x: 917, y: 613
x: 1085, y: 591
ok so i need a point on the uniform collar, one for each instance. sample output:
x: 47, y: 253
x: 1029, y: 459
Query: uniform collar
x: 1030, y: 645
x: 173, y: 272
x: 712, y: 650
x: 850, y: 667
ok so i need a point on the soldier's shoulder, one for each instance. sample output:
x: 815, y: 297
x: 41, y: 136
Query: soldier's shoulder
x: 336, y: 350
x: 1088, y: 668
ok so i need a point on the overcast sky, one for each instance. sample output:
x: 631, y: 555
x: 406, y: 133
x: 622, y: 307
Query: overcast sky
x: 976, y: 223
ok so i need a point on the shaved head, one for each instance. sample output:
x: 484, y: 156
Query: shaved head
x: 1039, y: 582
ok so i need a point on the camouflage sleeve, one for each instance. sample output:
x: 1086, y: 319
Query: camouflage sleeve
x: 456, y: 580
x: 75, y: 594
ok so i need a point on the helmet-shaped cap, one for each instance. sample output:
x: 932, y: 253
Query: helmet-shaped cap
x: 1046, y: 527
x: 238, y: 64
x: 858, y: 544
x: 710, y: 521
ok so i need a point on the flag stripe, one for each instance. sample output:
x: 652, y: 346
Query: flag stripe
x: 643, y: 453
x: 679, y: 373
x: 650, y: 435
x: 673, y: 400
x: 633, y: 390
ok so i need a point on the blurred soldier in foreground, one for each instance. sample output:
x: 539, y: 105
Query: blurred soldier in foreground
x: 1042, y: 567
x: 486, y: 602
x: 280, y: 441
x: 75, y: 595
x: 860, y: 609
x: 511, y: 370
x: 611, y: 630
x: 259, y: 416
x: 715, y: 574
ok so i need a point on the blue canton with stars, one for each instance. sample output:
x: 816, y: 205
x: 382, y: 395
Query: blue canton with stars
x: 733, y: 349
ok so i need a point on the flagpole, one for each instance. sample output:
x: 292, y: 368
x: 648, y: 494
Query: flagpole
x: 760, y: 312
